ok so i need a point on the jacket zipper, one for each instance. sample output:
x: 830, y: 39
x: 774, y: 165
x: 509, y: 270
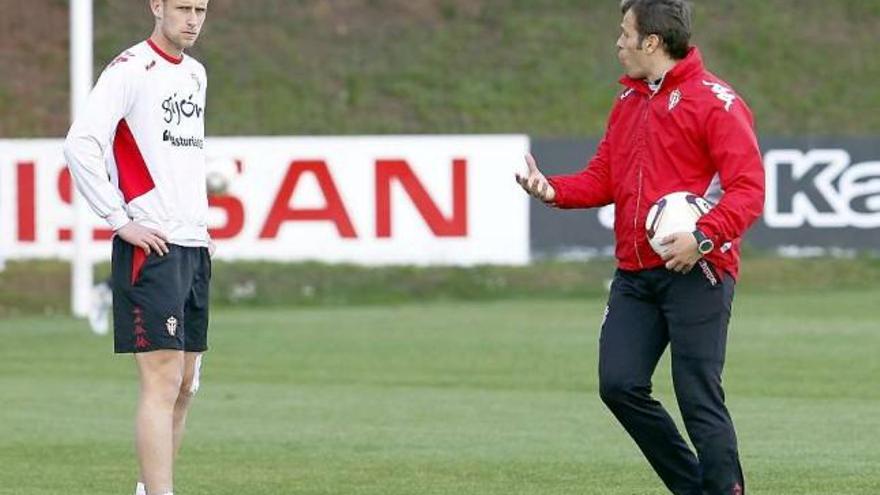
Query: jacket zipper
x: 636, y: 221
x: 639, y: 196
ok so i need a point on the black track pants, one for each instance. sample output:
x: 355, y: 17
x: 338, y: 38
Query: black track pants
x: 646, y: 311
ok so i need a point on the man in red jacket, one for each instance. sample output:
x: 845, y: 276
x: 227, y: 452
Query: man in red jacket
x: 674, y: 127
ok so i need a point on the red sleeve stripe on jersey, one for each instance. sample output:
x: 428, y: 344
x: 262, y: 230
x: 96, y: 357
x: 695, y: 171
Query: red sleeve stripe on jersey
x: 172, y: 59
x: 134, y: 177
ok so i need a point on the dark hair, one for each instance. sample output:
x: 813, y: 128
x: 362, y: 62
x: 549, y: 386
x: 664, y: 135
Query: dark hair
x: 670, y: 20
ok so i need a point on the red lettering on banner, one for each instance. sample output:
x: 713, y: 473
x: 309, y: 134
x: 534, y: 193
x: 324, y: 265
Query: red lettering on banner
x: 65, y: 186
x: 27, y: 229
x: 234, y: 210
x: 454, y: 226
x: 334, y: 211
x: 65, y: 192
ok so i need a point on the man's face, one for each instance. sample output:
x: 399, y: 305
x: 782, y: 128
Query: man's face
x: 181, y: 20
x: 630, y: 52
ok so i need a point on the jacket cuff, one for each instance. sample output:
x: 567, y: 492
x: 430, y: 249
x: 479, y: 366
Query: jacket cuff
x: 557, y: 199
x: 117, y: 219
x: 710, y: 232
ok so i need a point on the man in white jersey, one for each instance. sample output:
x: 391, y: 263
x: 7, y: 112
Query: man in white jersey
x: 136, y: 153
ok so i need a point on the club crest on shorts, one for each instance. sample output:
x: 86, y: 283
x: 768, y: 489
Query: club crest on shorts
x: 171, y: 325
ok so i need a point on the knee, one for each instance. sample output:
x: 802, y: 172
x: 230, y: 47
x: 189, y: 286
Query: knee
x: 188, y: 389
x: 191, y: 378
x: 163, y: 389
x: 708, y: 426
x: 614, y: 391
x: 189, y: 385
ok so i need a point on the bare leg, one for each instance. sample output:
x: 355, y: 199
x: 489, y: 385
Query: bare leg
x: 161, y: 375
x: 190, y: 384
x: 188, y: 388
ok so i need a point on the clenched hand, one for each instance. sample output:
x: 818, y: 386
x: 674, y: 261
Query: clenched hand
x: 680, y: 252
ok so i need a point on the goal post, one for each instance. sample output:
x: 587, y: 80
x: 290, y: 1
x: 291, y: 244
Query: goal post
x: 81, y: 67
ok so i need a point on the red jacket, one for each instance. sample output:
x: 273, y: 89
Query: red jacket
x: 694, y: 134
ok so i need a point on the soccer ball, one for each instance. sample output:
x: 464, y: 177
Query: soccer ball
x: 220, y: 175
x: 675, y: 212
x: 217, y: 183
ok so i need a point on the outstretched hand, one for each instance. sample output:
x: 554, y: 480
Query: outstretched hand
x: 535, y: 184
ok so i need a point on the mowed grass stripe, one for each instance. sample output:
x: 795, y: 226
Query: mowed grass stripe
x: 482, y: 398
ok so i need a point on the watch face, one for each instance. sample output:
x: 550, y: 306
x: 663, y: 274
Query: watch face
x: 706, y: 246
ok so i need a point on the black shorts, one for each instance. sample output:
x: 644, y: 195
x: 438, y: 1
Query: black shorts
x: 160, y: 302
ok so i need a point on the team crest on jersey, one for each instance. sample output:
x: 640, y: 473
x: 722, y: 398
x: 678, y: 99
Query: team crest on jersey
x: 171, y: 325
x: 674, y: 98
x: 722, y: 93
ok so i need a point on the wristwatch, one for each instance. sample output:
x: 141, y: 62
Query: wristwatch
x: 704, y: 244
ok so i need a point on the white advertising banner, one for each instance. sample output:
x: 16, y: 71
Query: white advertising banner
x: 367, y: 200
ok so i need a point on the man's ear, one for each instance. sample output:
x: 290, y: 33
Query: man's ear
x: 156, y: 8
x: 651, y: 43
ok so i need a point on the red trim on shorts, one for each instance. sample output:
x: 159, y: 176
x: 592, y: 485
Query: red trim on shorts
x: 134, y: 176
x: 139, y: 257
x: 170, y: 58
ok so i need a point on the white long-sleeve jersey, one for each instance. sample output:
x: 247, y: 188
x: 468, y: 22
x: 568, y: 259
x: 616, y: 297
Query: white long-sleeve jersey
x: 136, y: 151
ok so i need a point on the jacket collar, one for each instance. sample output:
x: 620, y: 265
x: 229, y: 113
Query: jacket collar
x: 688, y: 67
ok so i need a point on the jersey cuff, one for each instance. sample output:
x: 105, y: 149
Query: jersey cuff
x: 117, y: 219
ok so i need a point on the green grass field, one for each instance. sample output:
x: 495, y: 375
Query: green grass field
x: 441, y: 398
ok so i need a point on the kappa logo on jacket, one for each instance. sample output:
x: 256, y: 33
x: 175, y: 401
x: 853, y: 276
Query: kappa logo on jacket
x: 722, y: 93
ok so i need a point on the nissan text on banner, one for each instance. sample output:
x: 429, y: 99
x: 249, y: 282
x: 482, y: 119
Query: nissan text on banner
x: 367, y: 200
